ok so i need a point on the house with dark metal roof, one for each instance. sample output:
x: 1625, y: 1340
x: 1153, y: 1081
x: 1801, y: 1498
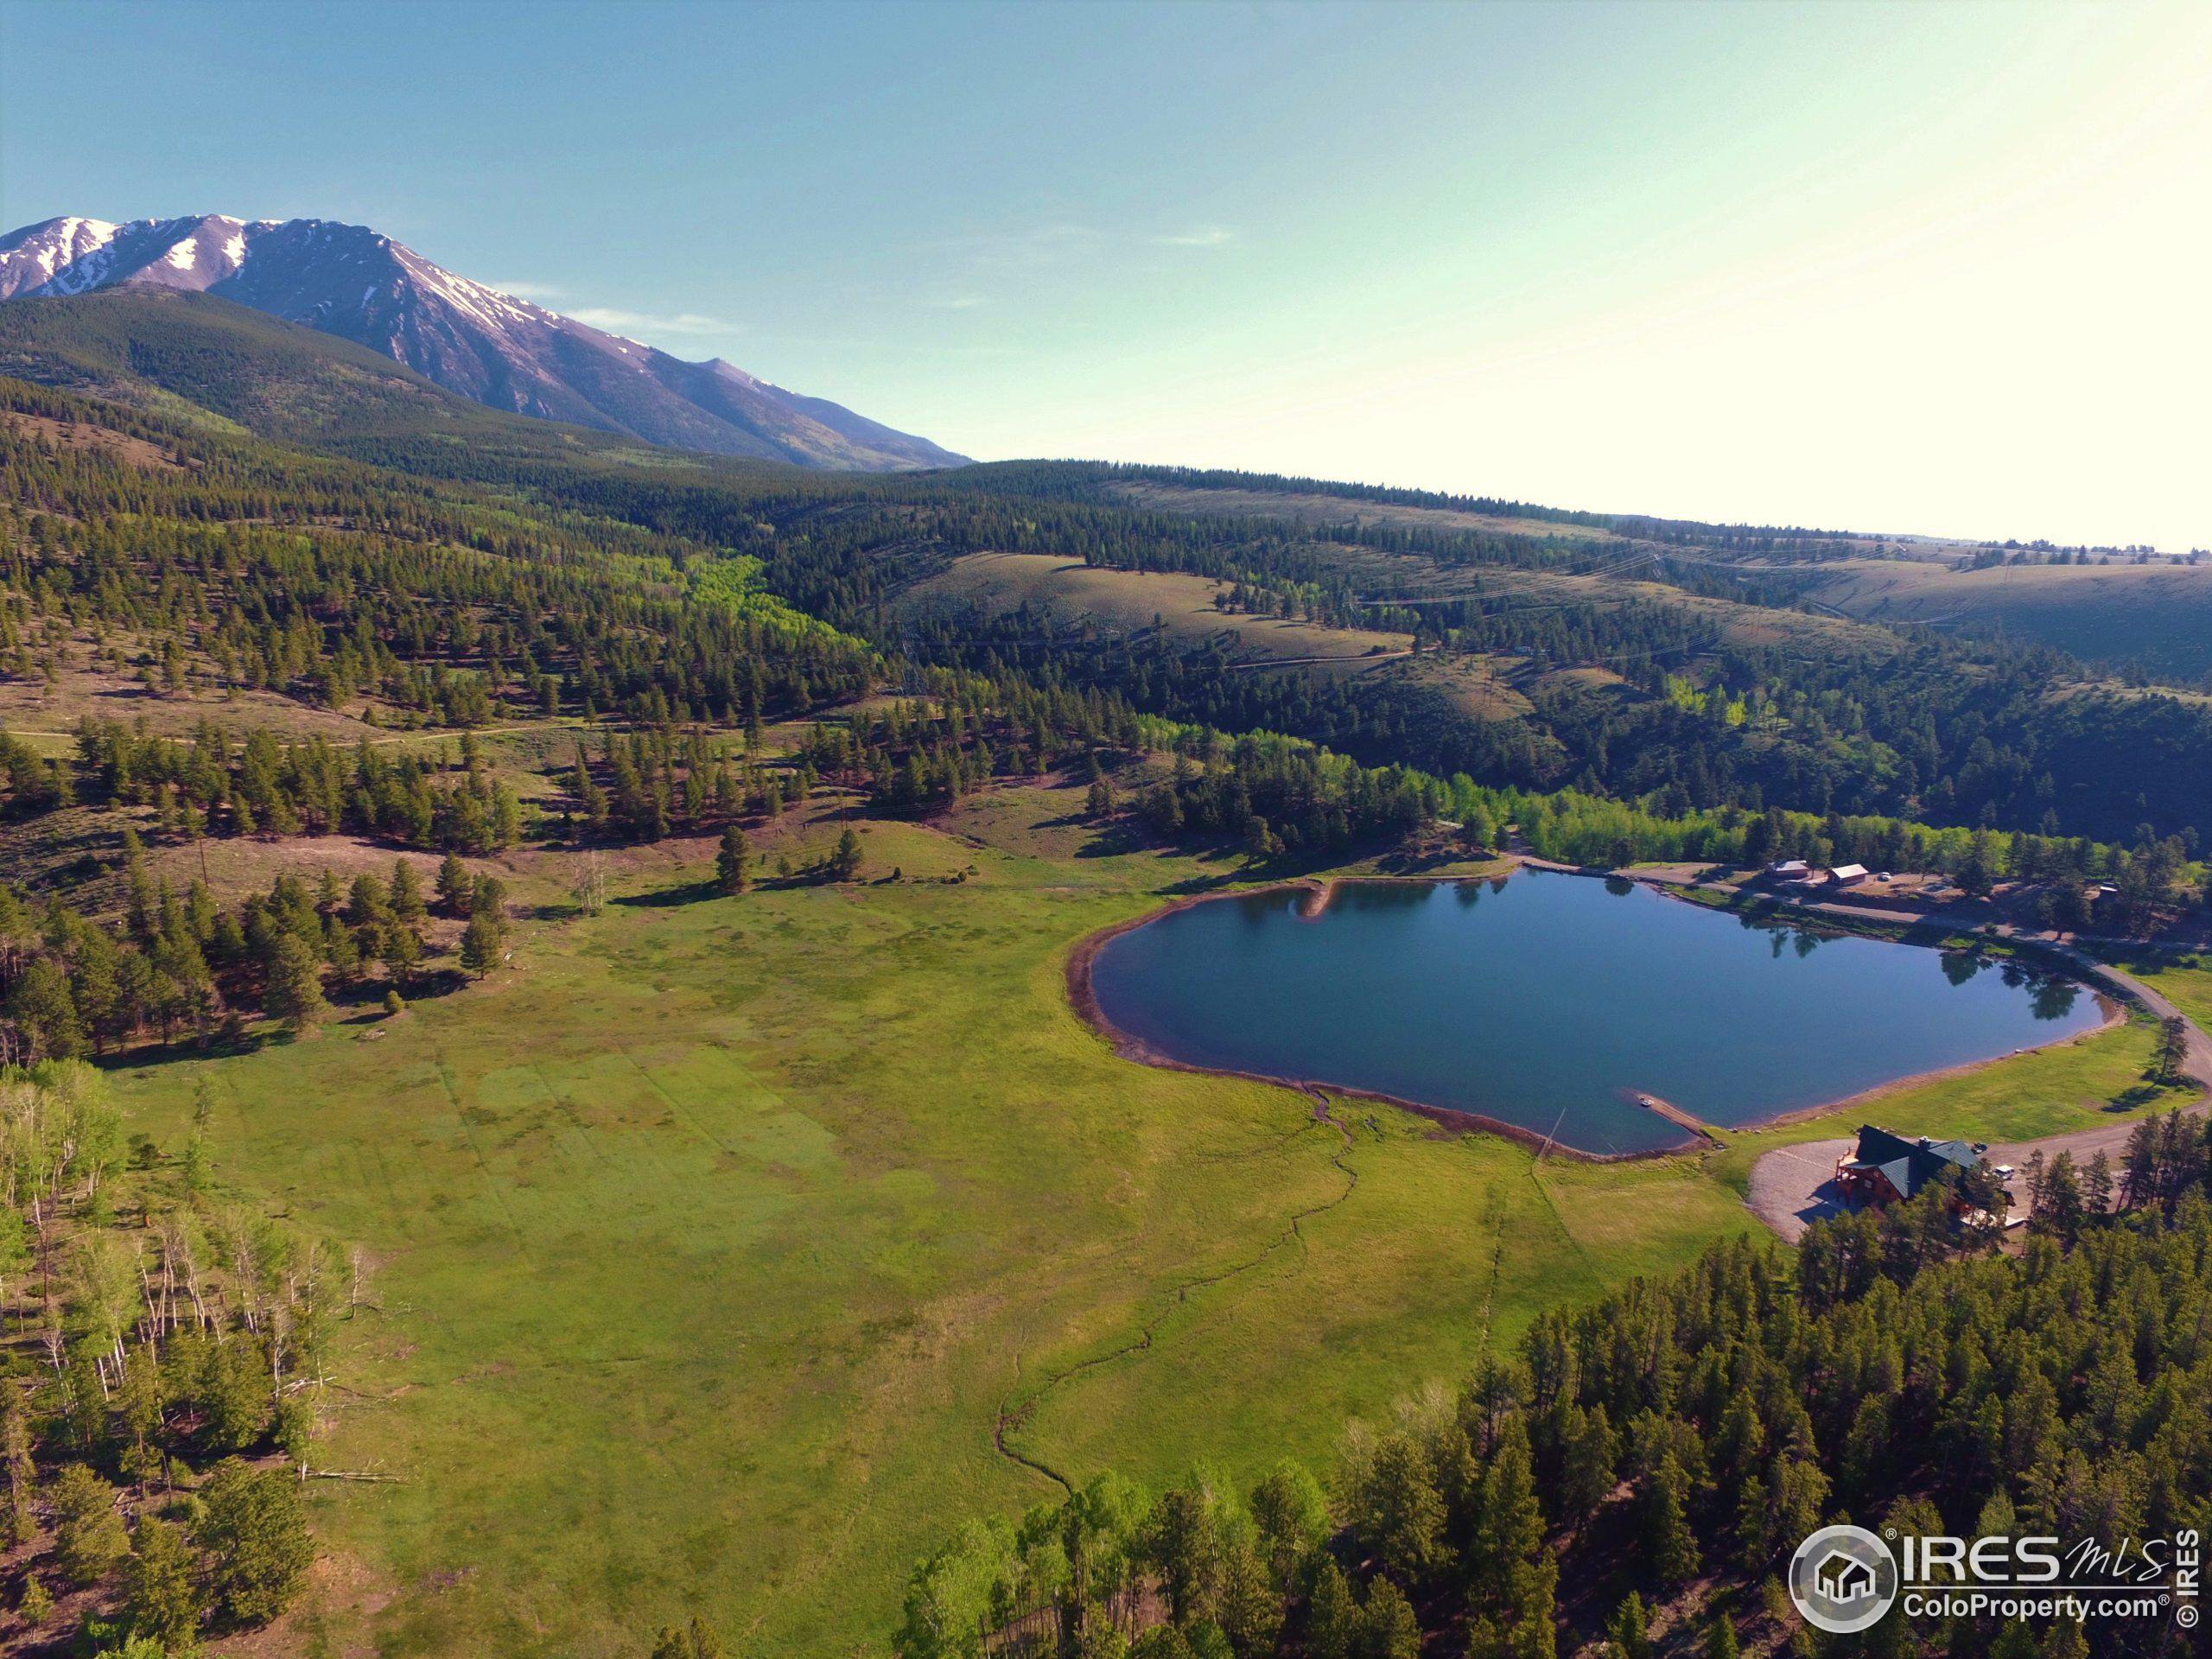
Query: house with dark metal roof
x: 1887, y: 1168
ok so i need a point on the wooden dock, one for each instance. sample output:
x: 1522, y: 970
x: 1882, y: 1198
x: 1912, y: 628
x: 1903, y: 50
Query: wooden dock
x: 1674, y: 1115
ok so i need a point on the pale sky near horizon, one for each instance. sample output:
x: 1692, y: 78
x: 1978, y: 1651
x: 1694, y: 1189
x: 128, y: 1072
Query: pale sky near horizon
x: 1932, y: 269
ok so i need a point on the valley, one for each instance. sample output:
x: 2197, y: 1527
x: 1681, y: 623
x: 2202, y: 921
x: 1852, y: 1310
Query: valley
x: 712, y: 1243
x: 928, y: 829
x: 619, y: 902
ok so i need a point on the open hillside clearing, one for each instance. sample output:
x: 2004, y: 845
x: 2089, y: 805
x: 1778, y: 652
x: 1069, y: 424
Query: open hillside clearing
x: 2159, y: 615
x: 1132, y: 601
x: 1480, y: 686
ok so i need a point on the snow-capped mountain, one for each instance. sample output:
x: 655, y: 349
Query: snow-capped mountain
x: 352, y: 282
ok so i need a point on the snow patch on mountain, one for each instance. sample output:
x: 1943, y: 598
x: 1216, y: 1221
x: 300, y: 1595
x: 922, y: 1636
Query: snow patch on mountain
x: 468, y: 337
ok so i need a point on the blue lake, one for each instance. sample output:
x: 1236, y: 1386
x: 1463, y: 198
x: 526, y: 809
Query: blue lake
x: 1550, y: 1001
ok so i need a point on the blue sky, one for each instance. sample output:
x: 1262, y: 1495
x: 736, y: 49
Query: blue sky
x: 1901, y: 268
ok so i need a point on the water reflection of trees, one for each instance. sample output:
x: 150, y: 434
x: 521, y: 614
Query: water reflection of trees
x: 2054, y: 998
x: 2051, y: 996
x: 1960, y: 966
x: 1800, y: 941
x: 1386, y: 895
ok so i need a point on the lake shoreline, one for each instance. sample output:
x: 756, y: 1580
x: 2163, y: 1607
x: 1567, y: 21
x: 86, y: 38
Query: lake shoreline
x: 1700, y: 1136
x: 2108, y: 1008
x: 1084, y: 1000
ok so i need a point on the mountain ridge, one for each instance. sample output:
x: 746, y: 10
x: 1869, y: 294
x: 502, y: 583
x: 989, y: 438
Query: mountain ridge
x: 355, y: 283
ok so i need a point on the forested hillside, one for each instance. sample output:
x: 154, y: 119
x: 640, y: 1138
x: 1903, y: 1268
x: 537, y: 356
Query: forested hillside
x: 1641, y: 1470
x: 262, y: 603
x: 1691, y: 684
x: 184, y: 1379
x: 230, y: 586
x: 419, y: 582
x: 1660, y: 663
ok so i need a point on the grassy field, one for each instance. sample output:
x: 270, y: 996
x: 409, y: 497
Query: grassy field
x: 104, y: 681
x: 2068, y: 1086
x: 2185, y: 980
x: 2160, y: 614
x: 712, y: 1243
x: 1130, y: 600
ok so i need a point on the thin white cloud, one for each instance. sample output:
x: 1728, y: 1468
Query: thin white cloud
x: 1204, y: 236
x: 1062, y: 243
x: 621, y: 321
x: 955, y: 302
x: 1039, y: 244
x: 889, y: 348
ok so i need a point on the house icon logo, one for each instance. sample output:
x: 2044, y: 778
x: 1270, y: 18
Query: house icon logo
x: 1843, y: 1580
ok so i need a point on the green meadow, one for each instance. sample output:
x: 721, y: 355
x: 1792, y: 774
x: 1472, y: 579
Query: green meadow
x: 715, y: 1247
x: 2183, y: 977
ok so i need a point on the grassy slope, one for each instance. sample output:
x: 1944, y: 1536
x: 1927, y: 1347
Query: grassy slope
x: 1477, y: 686
x: 2047, y: 1091
x: 712, y: 1240
x: 34, y: 708
x: 1129, y: 600
x: 2186, y: 981
x: 2161, y: 614
x: 1480, y: 686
